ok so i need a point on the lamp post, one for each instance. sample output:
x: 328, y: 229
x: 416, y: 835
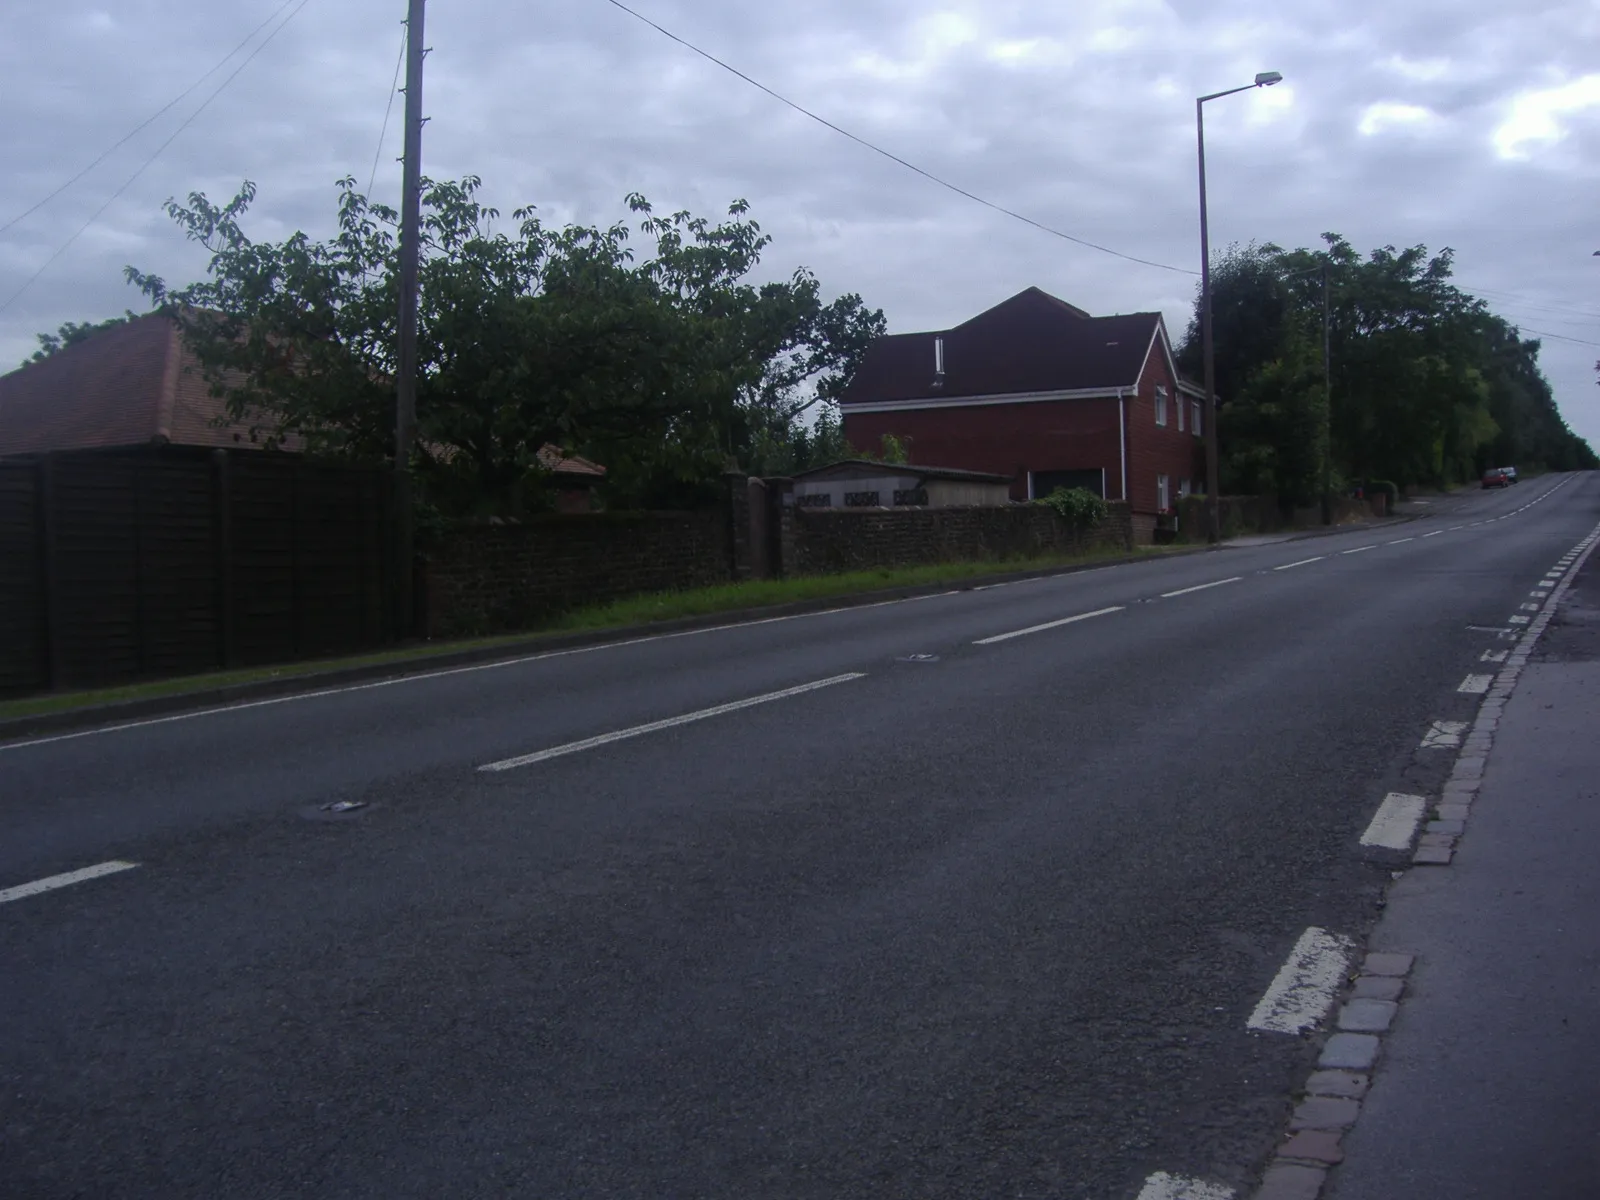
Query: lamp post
x: 1213, y: 483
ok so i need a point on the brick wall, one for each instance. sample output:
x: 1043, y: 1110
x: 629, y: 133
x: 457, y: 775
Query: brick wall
x: 1153, y: 449
x: 826, y: 541
x: 498, y: 578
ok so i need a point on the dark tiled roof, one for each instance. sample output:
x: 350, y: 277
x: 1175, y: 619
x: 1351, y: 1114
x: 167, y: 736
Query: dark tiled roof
x: 130, y: 385
x: 955, y: 473
x: 1032, y: 342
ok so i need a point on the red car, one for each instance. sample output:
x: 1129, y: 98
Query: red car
x: 1496, y: 477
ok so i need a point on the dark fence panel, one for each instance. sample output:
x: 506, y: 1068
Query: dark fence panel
x: 23, y: 650
x: 122, y: 566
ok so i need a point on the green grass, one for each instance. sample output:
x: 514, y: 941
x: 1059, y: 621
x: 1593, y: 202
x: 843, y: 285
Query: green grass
x: 634, y: 610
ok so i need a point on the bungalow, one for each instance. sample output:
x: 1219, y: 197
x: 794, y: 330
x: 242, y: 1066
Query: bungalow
x: 1039, y: 391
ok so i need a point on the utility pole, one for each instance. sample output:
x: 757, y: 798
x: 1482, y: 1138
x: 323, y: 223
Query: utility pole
x: 1327, y: 404
x: 405, y: 409
x: 1208, y: 356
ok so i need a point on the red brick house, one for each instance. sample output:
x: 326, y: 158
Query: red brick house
x: 1039, y: 390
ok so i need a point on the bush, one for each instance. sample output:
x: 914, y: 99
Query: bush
x: 1081, y: 507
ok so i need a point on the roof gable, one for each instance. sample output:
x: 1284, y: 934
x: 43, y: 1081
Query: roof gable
x: 1029, y: 344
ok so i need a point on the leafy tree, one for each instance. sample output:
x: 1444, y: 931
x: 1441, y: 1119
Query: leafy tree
x: 667, y: 368
x: 72, y: 332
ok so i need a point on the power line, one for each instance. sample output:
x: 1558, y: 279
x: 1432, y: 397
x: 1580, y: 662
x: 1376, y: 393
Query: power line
x: 928, y: 175
x: 1558, y: 336
x: 148, y: 121
x: 127, y: 183
x: 1524, y: 302
x: 405, y: 32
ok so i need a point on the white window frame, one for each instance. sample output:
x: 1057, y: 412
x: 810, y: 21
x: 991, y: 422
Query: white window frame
x: 1195, y: 412
x: 1161, y: 405
x: 1184, y: 488
x: 1180, y: 406
x: 1163, y: 493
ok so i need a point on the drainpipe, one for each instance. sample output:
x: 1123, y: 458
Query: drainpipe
x: 1122, y: 438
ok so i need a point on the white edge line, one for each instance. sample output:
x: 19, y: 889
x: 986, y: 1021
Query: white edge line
x: 52, y: 882
x: 422, y: 676
x: 1200, y: 587
x: 1301, y: 563
x: 1395, y: 821
x: 1303, y: 989
x: 1015, y: 633
x: 523, y: 760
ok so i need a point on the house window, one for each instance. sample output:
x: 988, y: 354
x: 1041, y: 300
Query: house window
x: 1163, y: 493
x: 861, y: 499
x: 914, y: 497
x: 1183, y: 488
x: 1194, y: 415
x: 1180, y: 407
x: 814, y: 500
x: 1161, y: 406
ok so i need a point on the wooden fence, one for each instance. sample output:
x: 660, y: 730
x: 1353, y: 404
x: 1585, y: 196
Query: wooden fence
x: 118, y: 566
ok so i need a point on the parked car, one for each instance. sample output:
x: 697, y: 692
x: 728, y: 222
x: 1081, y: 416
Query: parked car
x: 1511, y: 474
x: 1496, y: 477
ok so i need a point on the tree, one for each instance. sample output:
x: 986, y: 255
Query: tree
x: 71, y: 333
x: 666, y: 369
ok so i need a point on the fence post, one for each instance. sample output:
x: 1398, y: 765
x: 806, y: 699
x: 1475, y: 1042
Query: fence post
x: 736, y: 499
x: 49, y: 570
x: 780, y: 526
x: 222, y: 526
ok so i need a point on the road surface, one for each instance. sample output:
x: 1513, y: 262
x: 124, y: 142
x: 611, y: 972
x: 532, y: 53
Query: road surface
x: 970, y: 895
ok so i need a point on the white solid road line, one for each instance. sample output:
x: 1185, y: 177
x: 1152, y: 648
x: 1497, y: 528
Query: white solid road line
x: 1359, y: 549
x: 604, y: 739
x: 1395, y: 821
x: 1303, y: 990
x: 421, y: 676
x: 1016, y: 633
x: 1200, y: 587
x: 1301, y: 563
x: 53, y: 882
x: 1475, y: 685
x: 1162, y: 1186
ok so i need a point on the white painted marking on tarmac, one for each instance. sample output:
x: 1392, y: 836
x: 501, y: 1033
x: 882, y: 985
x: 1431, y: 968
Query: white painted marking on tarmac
x: 1395, y: 821
x: 443, y: 673
x: 1301, y: 563
x: 1200, y: 587
x: 1016, y: 633
x: 1453, y: 528
x: 1475, y: 685
x: 1538, y: 594
x: 1529, y: 607
x: 1519, y: 620
x: 605, y: 739
x: 51, y: 883
x: 1303, y: 990
x: 1398, y: 541
x: 1435, y: 533
x: 1494, y: 656
x: 1443, y: 735
x: 1359, y: 549
x: 1162, y: 1186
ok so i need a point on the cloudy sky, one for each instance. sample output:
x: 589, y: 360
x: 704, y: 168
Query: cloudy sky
x: 1463, y: 123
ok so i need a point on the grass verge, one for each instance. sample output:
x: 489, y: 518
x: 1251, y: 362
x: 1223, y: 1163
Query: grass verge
x: 633, y: 610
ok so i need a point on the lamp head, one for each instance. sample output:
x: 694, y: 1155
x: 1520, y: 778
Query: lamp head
x: 1268, y: 78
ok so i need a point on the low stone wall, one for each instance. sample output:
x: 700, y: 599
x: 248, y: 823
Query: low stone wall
x: 500, y: 578
x: 820, y: 542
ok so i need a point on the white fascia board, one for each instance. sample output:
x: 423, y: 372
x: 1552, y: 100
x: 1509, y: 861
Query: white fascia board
x: 1108, y: 393
x: 1159, y: 334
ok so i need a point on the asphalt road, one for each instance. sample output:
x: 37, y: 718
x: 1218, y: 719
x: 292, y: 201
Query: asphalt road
x: 988, y: 923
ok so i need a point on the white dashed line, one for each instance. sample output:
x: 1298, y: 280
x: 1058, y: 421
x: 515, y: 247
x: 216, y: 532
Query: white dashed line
x: 1400, y: 541
x: 53, y: 882
x: 524, y: 760
x: 1453, y: 528
x: 1200, y: 587
x: 1538, y: 595
x: 1475, y: 685
x: 1395, y: 822
x: 1302, y: 992
x: 1359, y: 549
x: 1301, y: 563
x: 1443, y: 735
x: 1016, y: 633
x: 1529, y: 607
x: 1519, y: 620
x: 1162, y: 1186
x: 1435, y: 533
x: 1494, y: 656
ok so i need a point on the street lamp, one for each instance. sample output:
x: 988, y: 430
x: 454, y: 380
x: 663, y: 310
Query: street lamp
x: 1213, y: 482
